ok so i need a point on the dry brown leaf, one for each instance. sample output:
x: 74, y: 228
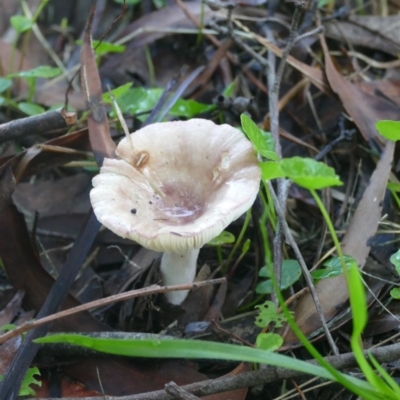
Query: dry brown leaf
x: 364, y: 108
x: 372, y: 31
x: 99, y: 133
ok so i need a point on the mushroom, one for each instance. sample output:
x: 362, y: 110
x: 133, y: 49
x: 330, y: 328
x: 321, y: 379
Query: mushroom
x: 176, y: 186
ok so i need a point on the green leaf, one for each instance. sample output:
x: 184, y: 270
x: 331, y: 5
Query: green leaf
x: 395, y: 187
x: 117, y: 92
x: 395, y: 293
x: 43, y: 71
x: 189, y: 108
x: 139, y: 100
x: 395, y: 260
x: 104, y: 47
x: 333, y: 267
x: 309, y: 173
x: 30, y: 108
x: 29, y: 379
x: 269, y: 341
x: 246, y: 246
x: 181, y: 348
x: 228, y: 91
x: 262, y: 141
x: 271, y: 170
x: 21, y: 23
x: 267, y: 314
x: 2, y: 100
x: 389, y: 129
x: 5, y: 83
x: 224, y: 237
x: 291, y: 272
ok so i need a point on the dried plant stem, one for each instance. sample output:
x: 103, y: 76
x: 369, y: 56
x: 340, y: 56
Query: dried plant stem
x: 274, y: 82
x: 306, y: 272
x: 102, y: 302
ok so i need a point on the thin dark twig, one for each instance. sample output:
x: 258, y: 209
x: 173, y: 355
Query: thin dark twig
x: 240, y: 43
x: 345, y: 134
x: 317, y: 30
x: 274, y: 81
x: 298, y: 12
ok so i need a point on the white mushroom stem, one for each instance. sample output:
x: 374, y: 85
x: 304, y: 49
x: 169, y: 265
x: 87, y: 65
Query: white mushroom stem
x: 178, y: 269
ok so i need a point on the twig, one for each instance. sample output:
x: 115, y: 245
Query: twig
x: 255, y: 378
x: 274, y: 82
x: 102, y: 302
x: 306, y: 272
x: 42, y: 123
x: 300, y: 6
x: 317, y: 30
x: 178, y: 393
x: 345, y: 134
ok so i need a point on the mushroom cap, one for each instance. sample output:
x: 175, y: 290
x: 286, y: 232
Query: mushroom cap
x: 177, y: 184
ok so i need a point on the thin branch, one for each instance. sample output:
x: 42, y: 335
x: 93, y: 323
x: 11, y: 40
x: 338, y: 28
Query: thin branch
x: 306, y: 272
x: 299, y: 8
x: 102, y: 302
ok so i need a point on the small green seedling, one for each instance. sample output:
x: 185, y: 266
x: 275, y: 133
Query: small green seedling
x: 268, y: 313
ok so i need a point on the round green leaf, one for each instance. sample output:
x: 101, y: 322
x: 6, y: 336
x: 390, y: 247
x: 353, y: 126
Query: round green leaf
x: 395, y: 293
x: 269, y: 341
x: 309, y: 173
x: 291, y: 272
